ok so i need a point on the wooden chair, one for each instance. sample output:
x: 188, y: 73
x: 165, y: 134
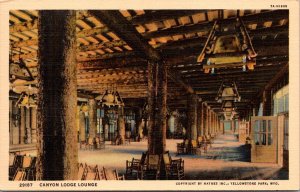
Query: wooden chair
x: 134, y: 167
x: 28, y: 166
x: 82, y: 170
x: 208, y: 140
x: 180, y: 148
x: 151, y: 170
x: 100, y: 143
x: 111, y: 174
x: 92, y: 173
x: 115, y: 141
x: 173, y: 170
x: 202, y: 143
x: 91, y: 143
x: 194, y: 148
x: 83, y: 145
x: 174, y: 167
x: 20, y: 175
x: 14, y: 163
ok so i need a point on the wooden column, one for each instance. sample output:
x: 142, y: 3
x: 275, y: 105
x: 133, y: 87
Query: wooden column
x: 157, y: 102
x: 28, y: 125
x: 33, y: 124
x: 209, y: 121
x: 57, y: 151
x: 206, y: 120
x: 199, y: 119
x: 92, y: 118
x: 82, y: 131
x: 22, y: 126
x: 192, y: 117
x: 267, y: 103
x: 121, y: 125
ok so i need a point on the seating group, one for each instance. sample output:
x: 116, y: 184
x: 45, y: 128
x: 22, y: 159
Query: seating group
x: 194, y: 147
x: 21, y: 167
x: 149, y: 167
x: 86, y: 172
x: 93, y: 143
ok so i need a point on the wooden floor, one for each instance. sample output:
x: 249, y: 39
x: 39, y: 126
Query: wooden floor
x: 225, y: 160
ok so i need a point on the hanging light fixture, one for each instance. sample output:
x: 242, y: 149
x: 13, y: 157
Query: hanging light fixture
x: 26, y: 100
x: 111, y: 98
x: 228, y: 45
x: 228, y: 91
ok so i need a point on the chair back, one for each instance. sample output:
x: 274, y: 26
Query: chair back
x: 12, y: 158
x: 143, y: 158
x: 194, y: 143
x: 26, y: 163
x: 153, y: 161
x: 20, y: 175
x: 167, y: 158
x: 92, y: 173
x: 90, y: 141
x: 200, y: 139
x: 110, y: 174
x: 81, y: 172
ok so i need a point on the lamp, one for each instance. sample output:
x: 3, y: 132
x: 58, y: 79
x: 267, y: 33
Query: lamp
x: 227, y: 92
x: 26, y: 101
x: 111, y: 98
x: 228, y: 45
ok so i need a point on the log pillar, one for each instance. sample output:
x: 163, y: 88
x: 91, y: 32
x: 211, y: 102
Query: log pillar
x: 208, y: 120
x: 22, y: 126
x: 92, y: 118
x: 82, y: 131
x: 157, y: 103
x: 205, y: 120
x: 57, y: 151
x: 28, y: 125
x: 267, y: 102
x: 199, y: 119
x: 192, y: 117
x: 121, y: 125
x: 33, y: 124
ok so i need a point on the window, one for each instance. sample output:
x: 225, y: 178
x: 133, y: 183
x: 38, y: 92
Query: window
x: 263, y: 132
x: 281, y: 100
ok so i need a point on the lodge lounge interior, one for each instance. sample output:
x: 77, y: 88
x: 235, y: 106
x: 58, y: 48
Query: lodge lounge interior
x: 148, y: 94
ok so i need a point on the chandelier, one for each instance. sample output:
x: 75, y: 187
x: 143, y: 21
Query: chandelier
x: 228, y: 91
x: 227, y: 95
x: 111, y: 98
x: 228, y: 45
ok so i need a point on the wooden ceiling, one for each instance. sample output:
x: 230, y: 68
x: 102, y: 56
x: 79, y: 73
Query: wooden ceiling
x: 113, y: 48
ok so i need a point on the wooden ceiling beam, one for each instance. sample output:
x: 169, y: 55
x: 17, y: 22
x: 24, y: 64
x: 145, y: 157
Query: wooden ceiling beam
x: 127, y: 32
x: 33, y: 55
x: 237, y: 76
x: 124, y: 29
x: 113, y: 70
x: 206, y: 26
x: 162, y: 15
x: 230, y: 71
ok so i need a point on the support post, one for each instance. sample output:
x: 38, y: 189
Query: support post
x: 121, y: 126
x: 28, y: 125
x: 92, y: 118
x: 157, y: 103
x: 199, y: 119
x: 57, y: 151
x: 22, y: 126
x: 33, y: 124
x: 192, y: 117
x: 82, y: 130
x: 267, y: 103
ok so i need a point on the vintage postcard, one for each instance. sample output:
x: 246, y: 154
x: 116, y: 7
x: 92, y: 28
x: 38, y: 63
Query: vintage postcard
x: 128, y: 95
